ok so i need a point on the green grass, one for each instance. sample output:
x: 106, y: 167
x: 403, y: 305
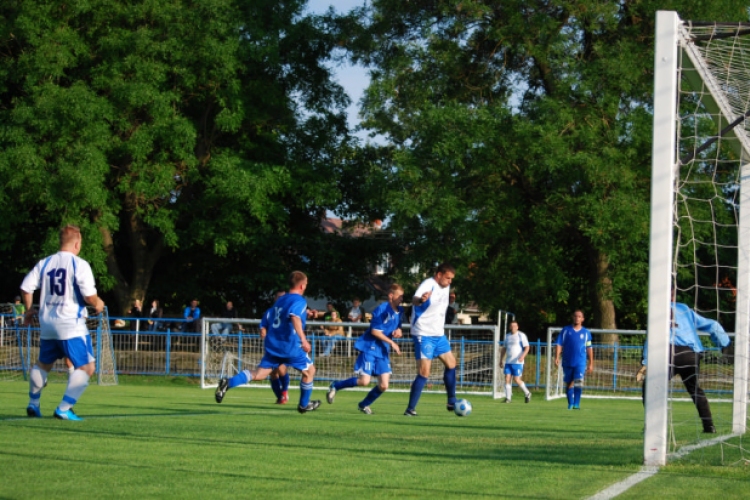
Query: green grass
x: 169, y: 439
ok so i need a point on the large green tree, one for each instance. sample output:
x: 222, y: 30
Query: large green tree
x: 519, y: 132
x: 201, y: 136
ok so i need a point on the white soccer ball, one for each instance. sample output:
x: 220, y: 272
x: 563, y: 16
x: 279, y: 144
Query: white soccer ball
x: 462, y: 408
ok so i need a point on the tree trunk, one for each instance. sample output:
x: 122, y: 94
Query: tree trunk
x: 604, y: 307
x: 144, y: 256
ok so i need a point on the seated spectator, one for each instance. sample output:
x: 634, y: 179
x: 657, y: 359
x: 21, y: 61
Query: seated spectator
x: 356, y: 313
x: 225, y: 328
x: 154, y: 315
x: 19, y: 310
x: 332, y: 332
x: 192, y: 317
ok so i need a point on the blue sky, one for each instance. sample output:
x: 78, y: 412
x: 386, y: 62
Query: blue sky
x: 354, y: 79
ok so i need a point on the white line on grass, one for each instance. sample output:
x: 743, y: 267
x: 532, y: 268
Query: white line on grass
x: 622, y: 486
x: 647, y: 472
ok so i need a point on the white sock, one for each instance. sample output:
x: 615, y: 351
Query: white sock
x: 37, y: 379
x: 77, y: 383
x: 523, y: 388
x: 508, y: 391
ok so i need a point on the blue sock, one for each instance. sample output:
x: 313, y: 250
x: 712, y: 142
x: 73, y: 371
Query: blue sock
x: 239, y: 379
x: 374, y: 394
x: 345, y: 384
x: 416, y: 391
x: 449, y: 377
x: 569, y: 393
x: 305, y: 393
x: 577, y: 395
x: 276, y: 387
x: 284, y: 382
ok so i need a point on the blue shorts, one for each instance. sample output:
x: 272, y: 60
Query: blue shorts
x: 299, y: 362
x: 367, y: 364
x: 515, y: 369
x: 571, y: 373
x: 78, y: 350
x: 430, y: 347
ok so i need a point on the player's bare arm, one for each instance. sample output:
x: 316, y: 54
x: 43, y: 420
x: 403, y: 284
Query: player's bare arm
x: 418, y: 301
x: 558, y: 351
x: 381, y: 336
x: 297, y: 324
x: 28, y: 298
x: 95, y: 302
x: 523, y: 354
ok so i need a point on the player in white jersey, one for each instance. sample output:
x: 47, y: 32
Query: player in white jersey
x: 516, y: 347
x: 428, y: 332
x: 66, y: 285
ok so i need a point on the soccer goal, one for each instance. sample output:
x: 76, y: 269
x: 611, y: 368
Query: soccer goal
x: 228, y: 348
x: 19, y: 349
x: 700, y: 224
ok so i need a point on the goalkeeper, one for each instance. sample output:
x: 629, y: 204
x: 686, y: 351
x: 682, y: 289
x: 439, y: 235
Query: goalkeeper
x: 685, y: 355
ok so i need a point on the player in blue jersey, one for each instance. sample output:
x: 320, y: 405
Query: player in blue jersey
x: 574, y: 342
x: 516, y: 347
x: 280, y: 376
x: 66, y: 285
x: 428, y: 333
x: 686, y: 352
x: 285, y: 344
x: 374, y: 350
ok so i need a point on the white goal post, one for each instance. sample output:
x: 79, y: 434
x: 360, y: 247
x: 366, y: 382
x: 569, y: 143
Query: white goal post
x: 700, y: 148
x: 224, y: 352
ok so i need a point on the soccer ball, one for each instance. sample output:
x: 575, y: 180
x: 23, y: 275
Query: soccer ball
x: 462, y: 408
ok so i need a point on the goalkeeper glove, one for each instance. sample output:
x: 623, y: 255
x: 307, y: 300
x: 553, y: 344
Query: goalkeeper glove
x: 641, y: 375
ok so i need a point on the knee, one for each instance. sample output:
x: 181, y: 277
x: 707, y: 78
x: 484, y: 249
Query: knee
x: 383, y: 386
x: 578, y: 383
x: 89, y: 369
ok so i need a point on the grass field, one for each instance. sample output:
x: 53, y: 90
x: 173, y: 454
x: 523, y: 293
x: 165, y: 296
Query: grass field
x: 162, y: 439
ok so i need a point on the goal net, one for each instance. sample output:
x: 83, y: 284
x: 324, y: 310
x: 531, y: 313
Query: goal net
x: 228, y: 348
x: 19, y: 348
x: 700, y: 241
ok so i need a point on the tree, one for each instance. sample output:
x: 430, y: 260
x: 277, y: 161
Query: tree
x: 188, y: 127
x: 521, y: 132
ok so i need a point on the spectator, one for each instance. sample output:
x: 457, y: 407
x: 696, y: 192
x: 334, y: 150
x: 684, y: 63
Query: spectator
x: 136, y: 312
x: 332, y: 332
x: 18, y: 311
x: 225, y: 328
x: 192, y: 317
x: 451, y: 312
x: 356, y: 313
x: 155, y: 314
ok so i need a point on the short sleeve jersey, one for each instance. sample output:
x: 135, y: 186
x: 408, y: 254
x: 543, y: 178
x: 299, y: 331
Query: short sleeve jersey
x: 63, y: 279
x: 282, y: 340
x: 265, y: 321
x: 574, y: 345
x: 515, y: 343
x: 428, y: 319
x: 386, y: 320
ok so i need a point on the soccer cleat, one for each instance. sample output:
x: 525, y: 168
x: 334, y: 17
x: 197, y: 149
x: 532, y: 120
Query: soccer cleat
x: 527, y: 398
x: 507, y: 400
x: 283, y: 399
x: 410, y: 413
x: 365, y: 409
x: 311, y: 406
x: 571, y: 406
x: 221, y: 390
x: 66, y: 415
x: 709, y: 429
x: 576, y: 407
x: 450, y: 407
x: 33, y: 411
x: 331, y: 394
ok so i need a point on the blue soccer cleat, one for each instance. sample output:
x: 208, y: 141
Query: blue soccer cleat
x: 66, y: 415
x: 571, y: 406
x: 33, y: 411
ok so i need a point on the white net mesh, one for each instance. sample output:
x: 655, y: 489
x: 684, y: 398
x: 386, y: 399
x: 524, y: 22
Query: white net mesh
x: 712, y: 145
x: 224, y: 354
x: 19, y: 348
